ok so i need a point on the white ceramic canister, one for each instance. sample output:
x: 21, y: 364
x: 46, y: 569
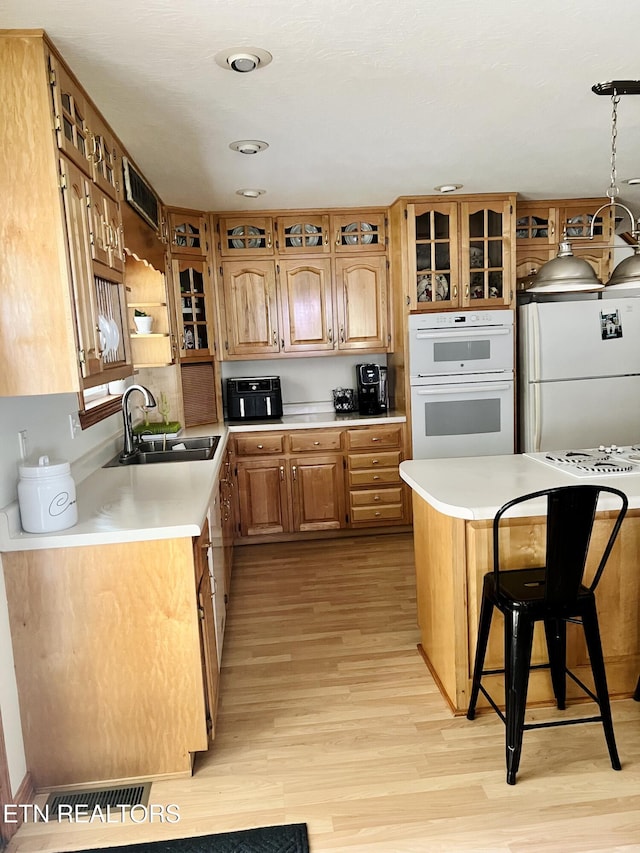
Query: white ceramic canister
x: 47, y: 496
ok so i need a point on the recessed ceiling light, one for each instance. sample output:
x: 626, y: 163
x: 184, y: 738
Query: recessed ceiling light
x: 249, y: 193
x: 448, y: 188
x: 248, y: 146
x: 243, y: 59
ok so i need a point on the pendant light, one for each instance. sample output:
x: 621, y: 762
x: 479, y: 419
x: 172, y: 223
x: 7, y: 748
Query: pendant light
x: 566, y: 273
x: 626, y: 275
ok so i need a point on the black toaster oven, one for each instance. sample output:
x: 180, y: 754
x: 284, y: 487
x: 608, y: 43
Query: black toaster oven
x: 255, y: 398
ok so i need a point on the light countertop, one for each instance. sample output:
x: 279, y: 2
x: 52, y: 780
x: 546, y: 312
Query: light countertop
x: 142, y: 502
x: 476, y: 487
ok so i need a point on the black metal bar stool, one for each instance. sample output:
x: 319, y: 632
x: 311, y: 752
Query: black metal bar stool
x: 553, y: 594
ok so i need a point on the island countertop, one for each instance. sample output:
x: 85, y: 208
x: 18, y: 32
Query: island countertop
x: 475, y: 487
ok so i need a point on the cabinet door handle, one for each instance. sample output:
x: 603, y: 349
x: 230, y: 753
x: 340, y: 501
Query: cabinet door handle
x: 455, y: 291
x: 269, y: 240
x: 294, y: 471
x: 330, y: 336
x: 282, y: 472
x: 341, y: 334
x: 326, y: 238
x: 338, y: 237
x: 466, y: 292
x: 275, y: 339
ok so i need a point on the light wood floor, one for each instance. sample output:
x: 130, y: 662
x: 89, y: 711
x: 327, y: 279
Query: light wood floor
x: 328, y: 716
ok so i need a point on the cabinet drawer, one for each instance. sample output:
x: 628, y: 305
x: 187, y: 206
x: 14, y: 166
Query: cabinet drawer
x: 302, y: 441
x: 375, y: 497
x: 377, y: 513
x: 391, y: 459
x: 383, y: 436
x: 374, y: 477
x: 258, y: 445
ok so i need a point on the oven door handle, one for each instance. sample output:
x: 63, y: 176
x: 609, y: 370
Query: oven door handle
x: 474, y: 388
x: 458, y: 333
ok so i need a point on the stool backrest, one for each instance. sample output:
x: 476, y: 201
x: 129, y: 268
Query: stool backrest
x: 571, y: 512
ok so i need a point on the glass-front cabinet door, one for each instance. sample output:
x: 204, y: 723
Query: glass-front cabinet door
x: 359, y: 231
x: 303, y: 234
x: 191, y: 287
x: 485, y: 266
x: 433, y: 236
x: 245, y: 234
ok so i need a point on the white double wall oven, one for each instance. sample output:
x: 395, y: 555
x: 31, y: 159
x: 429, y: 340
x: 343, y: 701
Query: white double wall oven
x: 461, y: 376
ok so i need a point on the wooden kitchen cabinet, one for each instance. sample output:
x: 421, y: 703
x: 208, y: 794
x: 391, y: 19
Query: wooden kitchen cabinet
x: 188, y: 232
x: 207, y: 624
x: 376, y: 491
x: 306, y: 305
x: 133, y: 704
x: 540, y: 226
x: 250, y: 308
x: 263, y: 496
x: 245, y: 234
x: 192, y: 293
x: 460, y: 254
x: 313, y: 480
x: 305, y: 233
x: 82, y: 134
x: 359, y: 231
x: 361, y: 310
x: 325, y: 291
x: 50, y: 341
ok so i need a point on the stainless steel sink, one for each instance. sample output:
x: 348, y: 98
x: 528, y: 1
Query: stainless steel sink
x: 155, y: 450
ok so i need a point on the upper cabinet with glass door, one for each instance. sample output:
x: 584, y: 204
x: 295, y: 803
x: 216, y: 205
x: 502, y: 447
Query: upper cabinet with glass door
x: 303, y: 234
x: 541, y: 225
x: 460, y: 253
x: 81, y: 132
x: 359, y: 231
x: 485, y: 253
x: 245, y: 234
x: 187, y: 232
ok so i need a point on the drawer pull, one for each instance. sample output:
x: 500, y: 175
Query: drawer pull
x: 316, y: 443
x: 374, y: 461
x: 376, y: 476
x: 376, y: 497
x: 377, y: 512
x: 260, y: 446
x: 375, y: 439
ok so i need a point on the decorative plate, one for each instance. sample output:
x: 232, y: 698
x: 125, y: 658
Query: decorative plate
x: 250, y: 244
x: 308, y: 229
x: 582, y: 231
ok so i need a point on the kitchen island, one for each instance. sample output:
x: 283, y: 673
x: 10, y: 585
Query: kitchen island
x: 454, y: 502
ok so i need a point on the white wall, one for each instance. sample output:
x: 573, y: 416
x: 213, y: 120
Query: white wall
x: 46, y: 420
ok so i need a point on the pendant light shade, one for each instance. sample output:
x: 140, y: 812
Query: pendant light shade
x: 627, y: 274
x: 565, y: 274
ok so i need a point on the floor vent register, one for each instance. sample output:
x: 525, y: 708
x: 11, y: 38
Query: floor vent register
x: 64, y: 803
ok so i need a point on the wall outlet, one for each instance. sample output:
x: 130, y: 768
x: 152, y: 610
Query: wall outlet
x: 74, y: 425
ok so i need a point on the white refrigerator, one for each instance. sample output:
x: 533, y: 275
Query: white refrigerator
x: 579, y: 373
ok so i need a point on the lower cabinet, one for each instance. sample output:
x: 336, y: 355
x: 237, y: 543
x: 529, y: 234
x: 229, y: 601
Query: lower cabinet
x: 319, y: 480
x: 115, y: 656
x: 205, y: 596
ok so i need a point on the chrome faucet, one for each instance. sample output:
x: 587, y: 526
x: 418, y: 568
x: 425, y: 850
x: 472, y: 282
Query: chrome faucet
x: 149, y: 400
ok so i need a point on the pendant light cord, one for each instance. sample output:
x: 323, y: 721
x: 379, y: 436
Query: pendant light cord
x: 614, y: 191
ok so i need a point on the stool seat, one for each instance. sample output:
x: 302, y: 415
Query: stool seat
x: 554, y: 594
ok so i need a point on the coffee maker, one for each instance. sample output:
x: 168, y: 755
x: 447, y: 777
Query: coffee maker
x: 371, y: 382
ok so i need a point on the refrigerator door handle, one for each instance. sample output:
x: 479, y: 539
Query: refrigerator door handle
x: 537, y: 426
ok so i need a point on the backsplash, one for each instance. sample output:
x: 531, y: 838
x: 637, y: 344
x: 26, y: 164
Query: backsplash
x: 305, y: 380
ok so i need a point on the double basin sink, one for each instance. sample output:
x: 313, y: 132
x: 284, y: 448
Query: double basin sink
x: 154, y: 450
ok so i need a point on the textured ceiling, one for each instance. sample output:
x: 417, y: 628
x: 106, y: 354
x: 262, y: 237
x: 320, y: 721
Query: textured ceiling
x: 365, y: 100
